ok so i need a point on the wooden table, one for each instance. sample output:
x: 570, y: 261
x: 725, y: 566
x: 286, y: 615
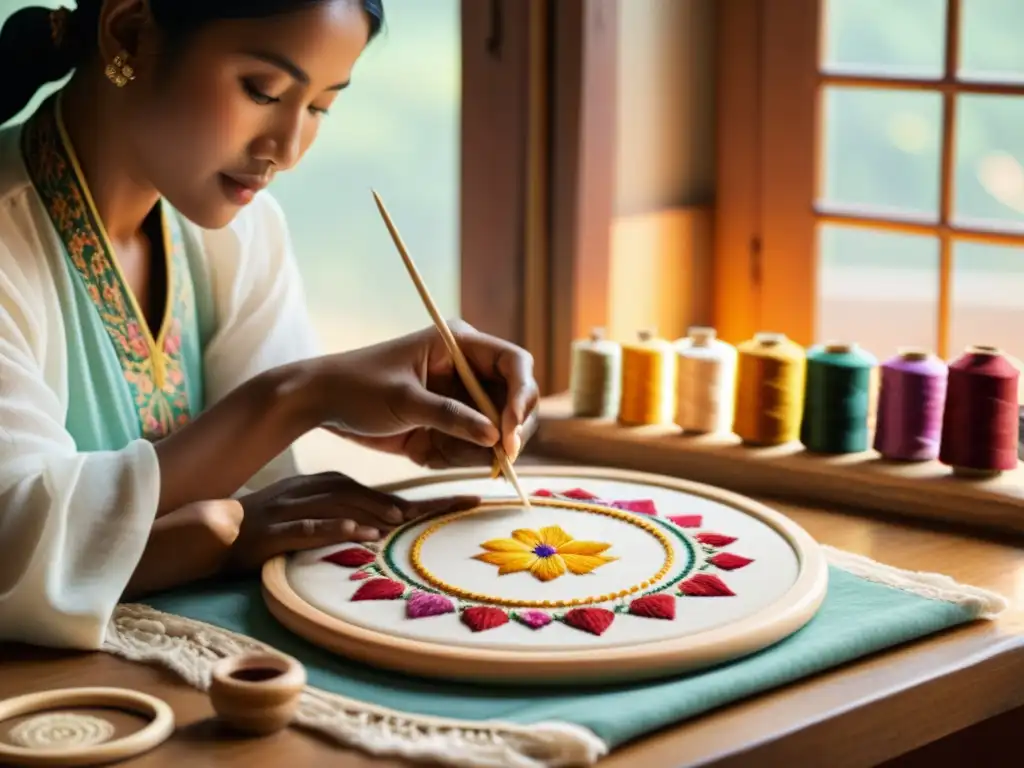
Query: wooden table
x: 967, y: 684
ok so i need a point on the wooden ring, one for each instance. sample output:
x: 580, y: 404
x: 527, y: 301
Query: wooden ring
x: 160, y: 727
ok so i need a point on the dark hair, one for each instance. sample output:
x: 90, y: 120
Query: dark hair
x: 28, y: 45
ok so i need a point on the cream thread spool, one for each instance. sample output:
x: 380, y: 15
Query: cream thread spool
x: 648, y: 381
x: 705, y: 382
x: 596, y: 377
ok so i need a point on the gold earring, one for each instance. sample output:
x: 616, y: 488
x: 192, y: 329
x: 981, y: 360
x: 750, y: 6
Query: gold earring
x: 120, y: 72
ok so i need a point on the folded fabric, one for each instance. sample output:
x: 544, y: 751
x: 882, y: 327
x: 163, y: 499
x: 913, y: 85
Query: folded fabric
x: 869, y: 607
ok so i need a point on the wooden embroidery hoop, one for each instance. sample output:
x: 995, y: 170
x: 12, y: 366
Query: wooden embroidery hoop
x: 649, y: 660
x: 155, y: 732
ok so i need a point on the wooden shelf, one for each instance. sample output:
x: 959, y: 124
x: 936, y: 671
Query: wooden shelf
x: 865, y: 481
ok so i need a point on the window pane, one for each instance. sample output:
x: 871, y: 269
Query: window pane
x: 989, y: 155
x: 990, y: 35
x: 895, y: 38
x: 396, y: 130
x: 881, y: 151
x: 988, y: 297
x: 879, y: 289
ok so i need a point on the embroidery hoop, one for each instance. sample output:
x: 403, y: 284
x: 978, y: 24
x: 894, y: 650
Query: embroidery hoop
x: 653, y: 659
x: 155, y: 732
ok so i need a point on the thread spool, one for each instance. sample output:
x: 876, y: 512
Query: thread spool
x: 595, y: 377
x: 648, y: 381
x: 705, y: 382
x: 837, y: 398
x: 980, y: 427
x: 770, y: 375
x: 911, y: 400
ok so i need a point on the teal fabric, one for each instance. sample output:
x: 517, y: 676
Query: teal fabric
x: 101, y: 413
x: 857, y: 618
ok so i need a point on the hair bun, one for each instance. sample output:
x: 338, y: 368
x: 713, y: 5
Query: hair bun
x: 30, y: 57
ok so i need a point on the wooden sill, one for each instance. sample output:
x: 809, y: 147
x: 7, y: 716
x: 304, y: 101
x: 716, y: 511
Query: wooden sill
x: 862, y: 481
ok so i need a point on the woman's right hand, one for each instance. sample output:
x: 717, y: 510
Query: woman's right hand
x: 406, y: 396
x: 312, y: 511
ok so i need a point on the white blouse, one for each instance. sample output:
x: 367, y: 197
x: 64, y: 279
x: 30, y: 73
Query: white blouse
x: 73, y: 525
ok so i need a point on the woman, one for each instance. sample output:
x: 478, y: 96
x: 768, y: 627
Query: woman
x: 155, y: 354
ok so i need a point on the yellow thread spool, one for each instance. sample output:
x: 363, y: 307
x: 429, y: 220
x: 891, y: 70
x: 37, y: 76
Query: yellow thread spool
x: 771, y: 375
x: 648, y: 382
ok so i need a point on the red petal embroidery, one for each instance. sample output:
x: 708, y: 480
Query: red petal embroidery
x: 654, y: 607
x: 543, y: 494
x: 728, y: 561
x: 351, y: 557
x: 379, y: 589
x: 715, y: 539
x: 359, y: 576
x: 705, y: 585
x: 639, y: 506
x: 687, y: 521
x: 579, y: 494
x: 592, y: 620
x: 480, y: 618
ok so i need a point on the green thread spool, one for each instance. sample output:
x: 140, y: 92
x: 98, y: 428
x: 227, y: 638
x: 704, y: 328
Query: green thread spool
x: 595, y: 377
x: 837, y: 399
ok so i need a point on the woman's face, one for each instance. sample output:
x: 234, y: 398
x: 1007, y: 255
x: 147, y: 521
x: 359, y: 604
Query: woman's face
x: 241, y: 102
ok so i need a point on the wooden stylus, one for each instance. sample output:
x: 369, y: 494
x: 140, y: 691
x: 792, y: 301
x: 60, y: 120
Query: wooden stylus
x: 469, y: 379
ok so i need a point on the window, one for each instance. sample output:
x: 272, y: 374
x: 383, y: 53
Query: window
x: 888, y: 199
x: 396, y: 130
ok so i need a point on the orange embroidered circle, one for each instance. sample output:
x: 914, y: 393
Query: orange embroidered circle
x: 626, y: 517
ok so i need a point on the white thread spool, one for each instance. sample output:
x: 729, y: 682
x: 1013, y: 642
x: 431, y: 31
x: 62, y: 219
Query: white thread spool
x: 706, y: 382
x: 596, y: 377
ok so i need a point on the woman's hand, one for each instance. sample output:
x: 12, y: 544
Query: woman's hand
x: 405, y: 396
x: 311, y: 511
x: 402, y: 396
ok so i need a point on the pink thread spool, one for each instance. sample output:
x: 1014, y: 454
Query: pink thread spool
x: 911, y: 400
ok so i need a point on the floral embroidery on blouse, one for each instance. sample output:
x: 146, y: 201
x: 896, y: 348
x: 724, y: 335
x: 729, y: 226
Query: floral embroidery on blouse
x: 153, y: 368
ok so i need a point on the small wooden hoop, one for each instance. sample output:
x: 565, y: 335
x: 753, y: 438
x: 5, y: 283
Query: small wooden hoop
x: 160, y: 727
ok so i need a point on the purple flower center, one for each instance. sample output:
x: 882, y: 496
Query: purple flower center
x: 544, y: 550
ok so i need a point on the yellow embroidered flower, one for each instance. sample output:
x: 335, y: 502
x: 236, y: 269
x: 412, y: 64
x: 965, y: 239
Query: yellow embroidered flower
x: 546, y: 553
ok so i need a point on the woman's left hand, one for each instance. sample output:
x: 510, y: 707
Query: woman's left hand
x: 505, y: 372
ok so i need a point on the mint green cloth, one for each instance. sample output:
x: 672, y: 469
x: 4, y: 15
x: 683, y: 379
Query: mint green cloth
x: 857, y: 618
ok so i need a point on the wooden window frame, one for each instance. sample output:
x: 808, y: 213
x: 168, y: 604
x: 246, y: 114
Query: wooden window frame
x: 537, y: 175
x: 764, y: 273
x: 769, y: 162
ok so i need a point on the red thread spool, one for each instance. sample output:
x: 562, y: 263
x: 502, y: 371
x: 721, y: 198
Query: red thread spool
x: 980, y: 425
